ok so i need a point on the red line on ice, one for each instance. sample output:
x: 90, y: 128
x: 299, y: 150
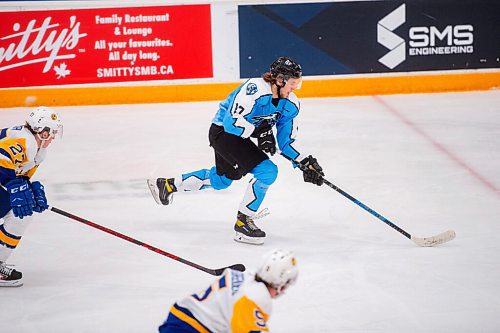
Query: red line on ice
x: 438, y: 146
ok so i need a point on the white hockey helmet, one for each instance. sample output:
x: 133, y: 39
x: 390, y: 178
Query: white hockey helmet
x: 278, y: 269
x: 43, y: 119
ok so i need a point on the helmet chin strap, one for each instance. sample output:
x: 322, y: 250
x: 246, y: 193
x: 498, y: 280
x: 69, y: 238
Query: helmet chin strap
x: 39, y: 135
x: 280, y: 86
x: 43, y: 142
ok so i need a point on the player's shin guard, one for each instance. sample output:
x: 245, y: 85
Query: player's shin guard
x: 254, y: 195
x: 265, y: 174
x: 195, y: 181
x: 201, y: 180
x: 11, y: 232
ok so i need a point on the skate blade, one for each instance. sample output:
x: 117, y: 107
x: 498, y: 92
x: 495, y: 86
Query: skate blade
x: 17, y: 283
x: 154, y: 190
x: 241, y: 238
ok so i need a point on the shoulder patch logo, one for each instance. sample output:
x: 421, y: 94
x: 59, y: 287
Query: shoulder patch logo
x: 251, y: 88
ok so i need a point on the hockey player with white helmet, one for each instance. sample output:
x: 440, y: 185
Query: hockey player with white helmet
x: 22, y: 150
x: 237, y: 302
x: 251, y: 111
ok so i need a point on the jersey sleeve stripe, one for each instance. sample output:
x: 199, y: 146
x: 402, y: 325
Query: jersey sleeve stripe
x: 5, y: 153
x: 222, y: 282
x: 3, y: 133
x: 7, y: 164
x: 186, y: 316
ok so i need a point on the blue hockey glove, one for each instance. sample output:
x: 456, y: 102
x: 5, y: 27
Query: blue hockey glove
x: 40, y: 199
x: 312, y: 171
x: 21, y: 197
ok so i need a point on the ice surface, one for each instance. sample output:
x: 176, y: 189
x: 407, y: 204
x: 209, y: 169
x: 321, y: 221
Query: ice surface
x: 428, y: 162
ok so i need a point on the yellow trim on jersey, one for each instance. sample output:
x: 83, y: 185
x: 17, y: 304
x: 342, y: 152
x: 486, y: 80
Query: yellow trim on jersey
x: 31, y: 171
x: 7, y: 164
x: 248, y: 316
x: 184, y: 317
x: 8, y: 240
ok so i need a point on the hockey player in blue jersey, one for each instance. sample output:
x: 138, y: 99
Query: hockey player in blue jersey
x: 251, y: 111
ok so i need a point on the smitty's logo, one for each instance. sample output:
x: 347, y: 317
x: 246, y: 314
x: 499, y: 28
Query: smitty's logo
x: 40, y: 43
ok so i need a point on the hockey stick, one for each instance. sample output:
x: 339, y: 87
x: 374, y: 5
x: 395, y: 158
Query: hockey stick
x: 424, y: 241
x: 217, y: 272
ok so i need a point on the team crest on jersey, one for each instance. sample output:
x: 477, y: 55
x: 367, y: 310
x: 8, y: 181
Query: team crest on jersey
x: 270, y: 119
x: 251, y: 89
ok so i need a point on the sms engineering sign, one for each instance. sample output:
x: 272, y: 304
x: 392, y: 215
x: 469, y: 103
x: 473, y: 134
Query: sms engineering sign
x: 423, y: 40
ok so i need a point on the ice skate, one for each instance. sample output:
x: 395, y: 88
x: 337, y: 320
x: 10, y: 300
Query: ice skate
x: 162, y: 190
x: 247, y: 231
x: 9, y: 277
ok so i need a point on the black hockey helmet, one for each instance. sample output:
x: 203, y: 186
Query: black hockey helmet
x: 286, y: 68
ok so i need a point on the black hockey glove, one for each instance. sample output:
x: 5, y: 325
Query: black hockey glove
x: 313, y: 172
x: 265, y: 138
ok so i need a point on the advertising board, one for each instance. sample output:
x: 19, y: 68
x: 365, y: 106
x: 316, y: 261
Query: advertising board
x: 59, y: 47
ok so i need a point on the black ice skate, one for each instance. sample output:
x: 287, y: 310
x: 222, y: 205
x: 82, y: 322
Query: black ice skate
x: 162, y: 190
x: 9, y: 277
x: 247, y: 231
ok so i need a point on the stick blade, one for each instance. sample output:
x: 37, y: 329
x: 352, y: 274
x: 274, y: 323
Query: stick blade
x: 434, y: 240
x: 236, y: 267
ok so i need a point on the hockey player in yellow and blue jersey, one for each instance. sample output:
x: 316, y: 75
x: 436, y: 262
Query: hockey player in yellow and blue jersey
x: 237, y: 302
x: 22, y: 150
x: 251, y: 111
